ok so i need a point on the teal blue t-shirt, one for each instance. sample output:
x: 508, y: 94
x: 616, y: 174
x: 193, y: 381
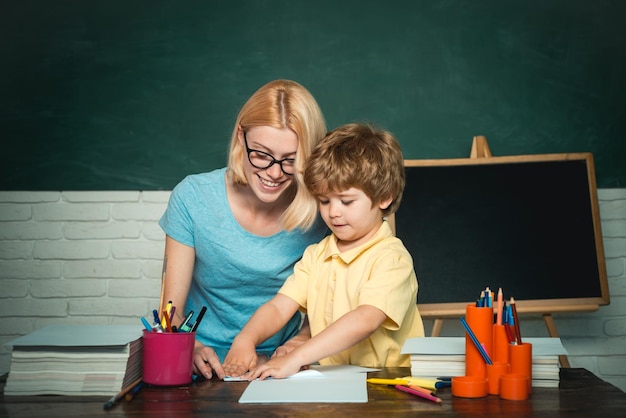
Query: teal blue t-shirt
x: 235, y: 272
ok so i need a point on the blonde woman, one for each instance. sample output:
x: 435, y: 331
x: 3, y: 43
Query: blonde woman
x: 234, y: 234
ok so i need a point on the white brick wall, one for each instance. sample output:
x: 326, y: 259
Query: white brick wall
x: 96, y: 257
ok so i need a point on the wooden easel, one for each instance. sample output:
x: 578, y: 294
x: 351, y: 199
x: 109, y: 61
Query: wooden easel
x: 480, y: 149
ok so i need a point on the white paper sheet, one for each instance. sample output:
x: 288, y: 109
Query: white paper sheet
x: 343, y: 383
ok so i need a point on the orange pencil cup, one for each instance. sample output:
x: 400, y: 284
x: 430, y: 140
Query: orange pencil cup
x: 500, y: 344
x: 168, y: 357
x: 480, y: 320
x: 494, y: 372
x: 521, y: 361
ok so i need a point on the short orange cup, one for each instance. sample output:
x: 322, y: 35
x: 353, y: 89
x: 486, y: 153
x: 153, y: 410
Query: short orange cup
x: 514, y: 387
x: 469, y: 386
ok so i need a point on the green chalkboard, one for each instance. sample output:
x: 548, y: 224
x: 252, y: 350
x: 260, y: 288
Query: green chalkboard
x: 135, y: 94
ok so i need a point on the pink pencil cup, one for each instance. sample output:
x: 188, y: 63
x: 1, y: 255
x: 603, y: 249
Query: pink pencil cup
x: 168, y: 357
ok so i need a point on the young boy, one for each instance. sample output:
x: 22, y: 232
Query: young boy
x: 357, y: 285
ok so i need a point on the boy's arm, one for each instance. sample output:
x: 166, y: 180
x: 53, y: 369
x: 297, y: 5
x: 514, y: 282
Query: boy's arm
x: 342, y: 334
x: 265, y: 322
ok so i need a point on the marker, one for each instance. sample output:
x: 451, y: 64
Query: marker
x: 168, y: 324
x: 186, y: 320
x: 200, y: 316
x: 166, y: 314
x: 418, y: 393
x: 146, y: 324
x: 428, y: 383
x: 172, y: 312
x: 432, y: 384
x: 396, y: 381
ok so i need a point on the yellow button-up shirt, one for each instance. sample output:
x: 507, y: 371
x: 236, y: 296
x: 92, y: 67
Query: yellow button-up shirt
x: 328, y: 284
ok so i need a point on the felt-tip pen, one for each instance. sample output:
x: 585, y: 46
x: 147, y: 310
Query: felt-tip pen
x: 200, y: 316
x: 146, y: 324
x: 185, y: 322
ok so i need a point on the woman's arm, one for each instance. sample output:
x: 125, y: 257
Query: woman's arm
x: 178, y: 263
x: 303, y: 336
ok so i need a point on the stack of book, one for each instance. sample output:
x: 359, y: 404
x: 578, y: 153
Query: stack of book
x: 75, y: 360
x: 445, y: 356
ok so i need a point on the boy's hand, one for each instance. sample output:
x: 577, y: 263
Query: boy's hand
x: 241, y: 357
x: 277, y: 367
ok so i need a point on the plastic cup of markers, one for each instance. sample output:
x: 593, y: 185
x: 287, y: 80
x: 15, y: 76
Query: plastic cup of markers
x: 168, y: 358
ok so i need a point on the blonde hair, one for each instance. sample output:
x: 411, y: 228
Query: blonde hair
x: 282, y: 104
x: 359, y: 156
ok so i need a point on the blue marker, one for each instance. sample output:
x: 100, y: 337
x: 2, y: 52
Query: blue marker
x: 146, y: 324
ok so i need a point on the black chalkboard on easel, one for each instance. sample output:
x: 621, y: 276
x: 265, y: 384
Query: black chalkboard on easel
x: 529, y: 224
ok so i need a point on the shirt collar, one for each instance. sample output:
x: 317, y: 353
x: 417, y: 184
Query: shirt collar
x: 331, y: 248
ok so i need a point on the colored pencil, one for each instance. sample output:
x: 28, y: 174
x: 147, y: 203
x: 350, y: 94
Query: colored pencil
x: 477, y: 343
x: 120, y: 395
x: 418, y: 393
x: 518, y: 334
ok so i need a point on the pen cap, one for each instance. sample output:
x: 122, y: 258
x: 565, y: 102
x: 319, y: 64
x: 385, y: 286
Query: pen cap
x: 168, y: 358
x: 480, y: 320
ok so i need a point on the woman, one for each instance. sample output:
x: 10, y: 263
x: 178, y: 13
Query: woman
x: 234, y: 234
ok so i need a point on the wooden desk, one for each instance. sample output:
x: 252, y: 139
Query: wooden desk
x: 581, y: 394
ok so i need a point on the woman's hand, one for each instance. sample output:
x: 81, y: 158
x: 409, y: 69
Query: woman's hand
x: 206, y: 363
x: 303, y: 336
x: 290, y: 345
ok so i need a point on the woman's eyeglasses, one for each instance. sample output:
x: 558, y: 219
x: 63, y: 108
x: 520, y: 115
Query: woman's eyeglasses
x: 264, y: 160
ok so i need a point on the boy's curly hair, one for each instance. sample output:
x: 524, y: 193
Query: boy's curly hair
x: 360, y: 156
